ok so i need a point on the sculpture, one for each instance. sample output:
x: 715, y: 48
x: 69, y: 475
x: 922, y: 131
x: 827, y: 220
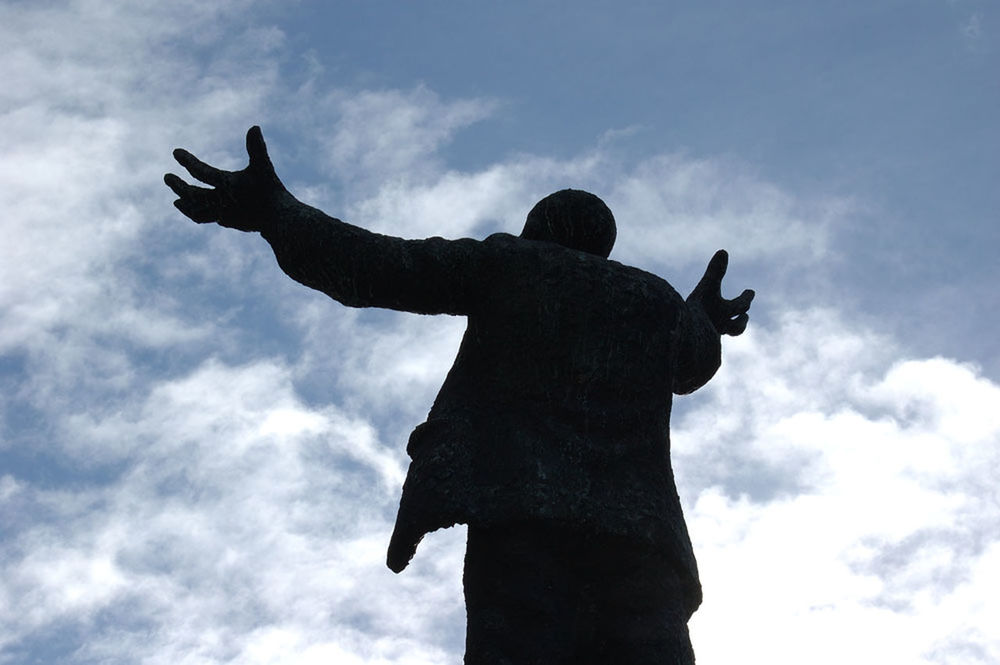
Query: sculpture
x: 550, y: 435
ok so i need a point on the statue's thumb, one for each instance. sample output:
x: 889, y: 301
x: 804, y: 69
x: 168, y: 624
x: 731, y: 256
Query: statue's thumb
x: 717, y: 266
x: 711, y: 282
x: 256, y: 147
x: 402, y: 546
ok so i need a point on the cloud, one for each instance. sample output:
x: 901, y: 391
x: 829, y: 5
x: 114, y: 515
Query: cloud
x: 246, y: 524
x: 202, y: 458
x: 388, y: 134
x: 843, y: 500
x: 671, y: 210
x: 972, y: 29
x: 678, y: 208
x: 239, y: 522
x: 91, y: 97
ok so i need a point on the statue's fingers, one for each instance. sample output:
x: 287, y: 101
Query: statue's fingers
x: 199, y: 169
x: 737, y: 325
x: 741, y: 303
x: 196, y: 212
x: 198, y: 203
x: 184, y: 190
x: 178, y: 186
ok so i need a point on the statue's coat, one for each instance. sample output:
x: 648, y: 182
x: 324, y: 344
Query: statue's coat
x: 557, y: 408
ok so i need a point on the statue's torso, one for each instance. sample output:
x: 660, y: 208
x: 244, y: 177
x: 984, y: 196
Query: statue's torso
x: 558, y: 404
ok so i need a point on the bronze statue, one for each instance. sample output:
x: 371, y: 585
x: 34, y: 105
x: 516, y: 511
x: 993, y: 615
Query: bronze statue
x: 550, y: 435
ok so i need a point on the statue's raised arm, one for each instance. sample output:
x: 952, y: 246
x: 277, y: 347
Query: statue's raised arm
x: 350, y: 264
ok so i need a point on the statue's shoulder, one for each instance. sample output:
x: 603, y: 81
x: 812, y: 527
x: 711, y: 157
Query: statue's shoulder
x: 503, y: 240
x: 649, y: 279
x: 556, y: 257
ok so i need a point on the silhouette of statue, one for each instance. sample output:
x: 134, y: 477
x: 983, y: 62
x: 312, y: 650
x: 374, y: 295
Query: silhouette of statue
x: 550, y: 435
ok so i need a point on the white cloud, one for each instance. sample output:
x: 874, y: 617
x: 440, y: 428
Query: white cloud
x: 671, y: 211
x: 387, y: 135
x: 680, y: 209
x: 185, y: 517
x: 90, y: 97
x: 246, y: 525
x: 195, y: 507
x: 237, y: 515
x: 877, y: 546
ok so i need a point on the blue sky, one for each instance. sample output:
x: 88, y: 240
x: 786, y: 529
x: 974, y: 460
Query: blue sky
x: 200, y: 459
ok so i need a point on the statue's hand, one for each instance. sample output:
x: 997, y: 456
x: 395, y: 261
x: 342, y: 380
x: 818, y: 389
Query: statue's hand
x: 728, y: 316
x: 239, y: 199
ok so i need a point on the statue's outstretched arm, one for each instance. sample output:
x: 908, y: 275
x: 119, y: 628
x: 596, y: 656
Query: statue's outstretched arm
x: 706, y: 318
x: 350, y: 264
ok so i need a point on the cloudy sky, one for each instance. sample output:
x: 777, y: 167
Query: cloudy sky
x: 200, y: 459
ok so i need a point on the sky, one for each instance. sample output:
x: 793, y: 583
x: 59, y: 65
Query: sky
x: 200, y: 459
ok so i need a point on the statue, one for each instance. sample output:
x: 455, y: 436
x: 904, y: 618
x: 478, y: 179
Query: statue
x: 550, y: 435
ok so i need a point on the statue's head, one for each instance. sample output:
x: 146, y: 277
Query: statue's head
x: 575, y: 219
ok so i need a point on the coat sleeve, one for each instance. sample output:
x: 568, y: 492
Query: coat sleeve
x: 699, y: 349
x: 363, y: 269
